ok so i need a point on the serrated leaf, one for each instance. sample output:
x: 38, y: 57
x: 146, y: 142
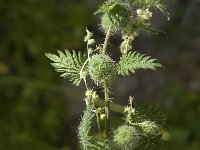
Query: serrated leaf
x: 133, y: 61
x: 85, y: 127
x: 52, y: 57
x: 69, y: 64
x: 105, y: 7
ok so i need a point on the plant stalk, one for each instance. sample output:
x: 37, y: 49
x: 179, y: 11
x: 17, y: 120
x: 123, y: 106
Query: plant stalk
x: 107, y: 111
x: 105, y: 45
x: 106, y: 91
x: 97, y: 117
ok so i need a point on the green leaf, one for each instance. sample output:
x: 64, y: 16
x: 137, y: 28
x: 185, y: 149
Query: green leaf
x: 106, y: 7
x: 85, y: 127
x: 147, y: 112
x: 70, y: 64
x: 133, y: 61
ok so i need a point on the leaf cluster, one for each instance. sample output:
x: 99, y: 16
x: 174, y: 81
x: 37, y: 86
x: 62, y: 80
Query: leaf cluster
x: 148, y: 120
x: 101, y: 68
x: 141, y: 129
x: 148, y: 112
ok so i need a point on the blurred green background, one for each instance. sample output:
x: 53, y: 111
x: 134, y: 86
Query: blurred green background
x: 40, y: 111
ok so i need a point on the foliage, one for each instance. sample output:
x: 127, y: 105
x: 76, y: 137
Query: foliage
x: 70, y: 65
x: 133, y: 61
x: 34, y: 111
x: 120, y: 14
x: 142, y: 126
x: 84, y: 128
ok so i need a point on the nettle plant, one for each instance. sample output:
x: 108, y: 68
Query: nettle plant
x: 141, y: 125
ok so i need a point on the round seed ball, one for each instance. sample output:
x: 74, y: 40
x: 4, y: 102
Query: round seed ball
x: 127, y: 137
x: 102, y: 69
x: 118, y: 17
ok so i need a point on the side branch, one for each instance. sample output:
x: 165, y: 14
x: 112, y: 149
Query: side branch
x: 105, y: 45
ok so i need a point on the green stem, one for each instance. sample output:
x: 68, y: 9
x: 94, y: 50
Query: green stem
x: 105, y: 45
x: 97, y: 117
x: 106, y: 91
x: 98, y: 123
x: 107, y: 111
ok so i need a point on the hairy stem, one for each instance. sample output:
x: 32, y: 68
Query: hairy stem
x: 105, y: 45
x: 97, y: 117
x: 107, y: 111
x: 106, y: 91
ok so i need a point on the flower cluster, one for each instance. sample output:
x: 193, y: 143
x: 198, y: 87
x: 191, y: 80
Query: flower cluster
x: 144, y: 14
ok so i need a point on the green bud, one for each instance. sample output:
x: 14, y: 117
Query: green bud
x: 102, y: 69
x: 102, y: 116
x: 88, y: 36
x: 91, y: 41
x: 90, y: 96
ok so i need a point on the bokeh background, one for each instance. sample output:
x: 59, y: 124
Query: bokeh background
x: 40, y: 111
